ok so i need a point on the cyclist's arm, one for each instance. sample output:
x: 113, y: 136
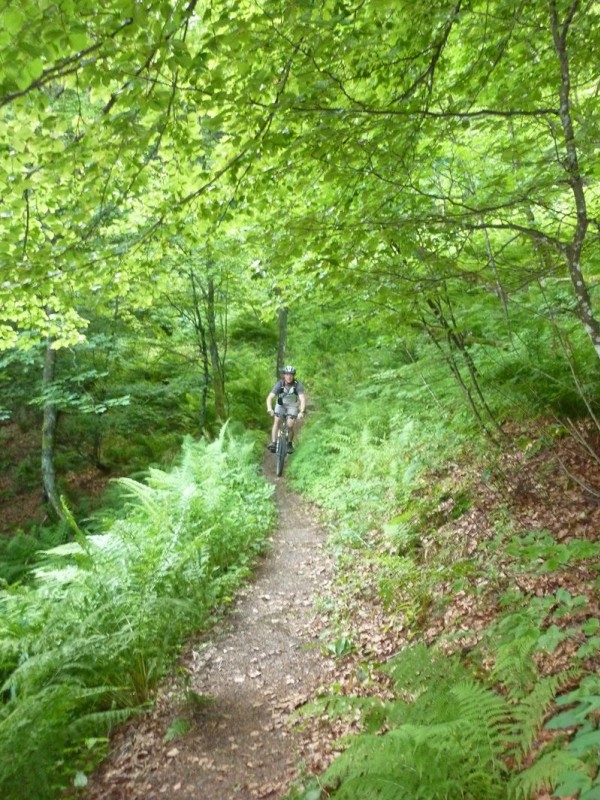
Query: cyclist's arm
x: 301, y: 402
x: 270, y: 398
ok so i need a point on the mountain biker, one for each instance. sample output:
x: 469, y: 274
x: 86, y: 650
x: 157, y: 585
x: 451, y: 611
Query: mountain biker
x: 290, y: 403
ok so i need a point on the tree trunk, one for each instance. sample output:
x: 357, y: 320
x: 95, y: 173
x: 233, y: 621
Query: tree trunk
x: 281, y: 345
x: 203, y: 350
x: 48, y: 436
x: 574, y: 248
x: 456, y: 342
x: 218, y: 376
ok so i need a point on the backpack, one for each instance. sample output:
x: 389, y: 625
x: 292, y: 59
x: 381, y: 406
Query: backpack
x: 281, y: 394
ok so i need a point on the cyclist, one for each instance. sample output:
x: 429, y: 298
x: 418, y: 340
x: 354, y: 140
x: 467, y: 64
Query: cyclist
x: 290, y: 403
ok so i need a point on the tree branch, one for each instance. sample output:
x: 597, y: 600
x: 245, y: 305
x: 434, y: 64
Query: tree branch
x: 67, y: 66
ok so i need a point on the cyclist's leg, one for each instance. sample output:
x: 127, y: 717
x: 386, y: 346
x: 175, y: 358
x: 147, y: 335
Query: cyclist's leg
x: 290, y: 423
x: 275, y: 429
x: 274, y: 433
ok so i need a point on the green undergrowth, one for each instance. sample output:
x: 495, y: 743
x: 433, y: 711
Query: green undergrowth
x: 503, y: 704
x: 84, y: 645
x: 449, y: 734
x: 501, y: 711
x: 19, y: 553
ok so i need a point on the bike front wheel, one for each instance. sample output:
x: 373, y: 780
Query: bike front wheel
x: 280, y: 454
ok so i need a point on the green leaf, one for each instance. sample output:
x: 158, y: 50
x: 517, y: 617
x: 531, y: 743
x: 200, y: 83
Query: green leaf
x: 583, y: 743
x: 551, y: 638
x: 312, y: 794
x: 589, y: 648
x: 78, y: 39
x: 179, y: 727
x: 12, y: 20
x: 35, y: 68
x: 587, y: 704
x: 591, y: 626
x: 571, y: 783
x: 80, y: 780
x: 591, y: 794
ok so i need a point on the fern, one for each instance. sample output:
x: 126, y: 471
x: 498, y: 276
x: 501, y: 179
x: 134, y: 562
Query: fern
x: 514, y: 667
x: 445, y: 737
x: 90, y: 724
x: 574, y: 766
x: 545, y: 774
x: 485, y: 712
x: 529, y: 714
x: 417, y: 667
x: 427, y: 762
x: 84, y: 646
x: 142, y: 494
x: 450, y: 736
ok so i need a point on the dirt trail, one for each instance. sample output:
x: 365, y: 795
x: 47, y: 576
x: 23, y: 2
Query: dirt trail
x: 260, y: 663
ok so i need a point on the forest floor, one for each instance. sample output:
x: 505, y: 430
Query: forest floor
x: 21, y: 495
x: 224, y: 727
x: 235, y: 688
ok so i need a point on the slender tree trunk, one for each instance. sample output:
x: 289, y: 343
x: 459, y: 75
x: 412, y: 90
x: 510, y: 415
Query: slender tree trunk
x: 205, y: 378
x: 218, y: 376
x: 49, y: 435
x: 200, y: 330
x: 456, y: 343
x: 282, y: 341
x: 574, y: 248
x: 501, y: 292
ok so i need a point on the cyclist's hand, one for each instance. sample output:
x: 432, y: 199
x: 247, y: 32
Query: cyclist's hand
x: 271, y: 413
x: 301, y: 415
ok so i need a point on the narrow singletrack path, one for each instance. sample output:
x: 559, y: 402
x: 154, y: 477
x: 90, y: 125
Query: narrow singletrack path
x: 261, y: 662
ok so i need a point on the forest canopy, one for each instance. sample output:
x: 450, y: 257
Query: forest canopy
x: 408, y: 149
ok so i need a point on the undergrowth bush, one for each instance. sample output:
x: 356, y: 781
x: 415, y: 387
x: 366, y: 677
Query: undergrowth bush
x: 484, y: 722
x: 361, y: 462
x: 447, y: 735
x: 20, y: 552
x: 85, y: 645
x: 441, y: 737
x: 382, y: 462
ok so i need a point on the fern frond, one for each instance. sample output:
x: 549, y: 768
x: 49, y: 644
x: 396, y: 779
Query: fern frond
x: 144, y: 494
x: 102, y: 720
x: 66, y: 549
x: 413, y: 762
x: 515, y: 667
x: 545, y: 774
x: 528, y: 715
x: 483, y: 714
x: 416, y: 668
